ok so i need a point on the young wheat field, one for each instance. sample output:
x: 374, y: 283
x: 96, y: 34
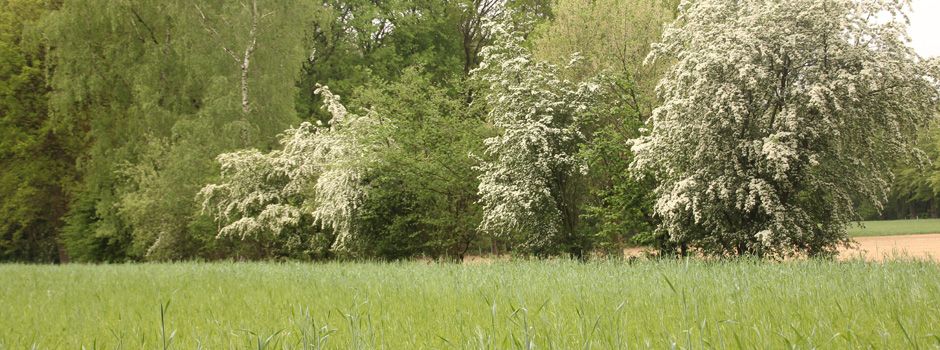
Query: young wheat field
x: 894, y: 227
x: 541, y: 305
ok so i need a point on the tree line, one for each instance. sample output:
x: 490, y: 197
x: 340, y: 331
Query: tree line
x: 360, y: 129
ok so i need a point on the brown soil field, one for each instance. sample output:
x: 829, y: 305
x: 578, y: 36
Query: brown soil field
x: 877, y: 248
x: 873, y: 248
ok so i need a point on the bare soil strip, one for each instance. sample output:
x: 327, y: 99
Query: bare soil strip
x: 878, y: 248
x: 871, y: 248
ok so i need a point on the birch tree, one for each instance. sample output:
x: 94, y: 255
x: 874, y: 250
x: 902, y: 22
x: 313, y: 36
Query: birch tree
x: 241, y: 57
x: 778, y: 117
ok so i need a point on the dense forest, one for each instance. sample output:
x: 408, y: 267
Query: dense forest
x: 339, y: 129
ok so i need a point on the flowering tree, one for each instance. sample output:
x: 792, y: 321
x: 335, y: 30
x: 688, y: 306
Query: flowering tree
x: 317, y: 175
x: 778, y: 117
x: 529, y: 163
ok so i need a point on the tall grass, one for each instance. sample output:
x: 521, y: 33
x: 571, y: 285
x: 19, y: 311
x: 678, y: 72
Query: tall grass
x: 543, y: 305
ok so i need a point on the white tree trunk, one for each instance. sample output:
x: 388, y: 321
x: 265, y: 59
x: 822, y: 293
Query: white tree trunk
x: 244, y: 61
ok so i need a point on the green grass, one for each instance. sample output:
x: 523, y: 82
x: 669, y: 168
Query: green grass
x: 544, y: 305
x: 895, y: 227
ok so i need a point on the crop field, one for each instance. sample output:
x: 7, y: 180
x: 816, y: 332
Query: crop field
x: 879, y: 240
x: 554, y: 304
x: 895, y: 227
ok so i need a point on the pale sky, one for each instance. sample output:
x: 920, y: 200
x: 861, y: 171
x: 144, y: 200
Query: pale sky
x: 925, y: 27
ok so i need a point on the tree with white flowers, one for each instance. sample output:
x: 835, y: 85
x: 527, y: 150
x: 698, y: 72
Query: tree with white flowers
x: 317, y: 177
x: 778, y: 117
x: 528, y: 167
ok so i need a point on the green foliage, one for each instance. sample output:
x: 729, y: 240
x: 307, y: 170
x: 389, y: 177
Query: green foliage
x: 916, y: 189
x: 358, y: 43
x: 119, y: 129
x: 148, y: 84
x: 613, y: 37
x: 618, y: 209
x: 425, y: 182
x: 364, y: 43
x: 36, y: 158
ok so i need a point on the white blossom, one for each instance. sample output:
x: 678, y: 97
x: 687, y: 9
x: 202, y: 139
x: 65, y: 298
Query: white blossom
x: 777, y: 117
x: 536, y: 113
x: 318, y: 173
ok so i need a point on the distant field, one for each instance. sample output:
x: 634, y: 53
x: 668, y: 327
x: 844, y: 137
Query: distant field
x: 542, y: 305
x: 895, y: 227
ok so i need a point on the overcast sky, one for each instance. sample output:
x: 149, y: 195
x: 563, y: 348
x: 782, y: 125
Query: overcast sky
x: 925, y: 27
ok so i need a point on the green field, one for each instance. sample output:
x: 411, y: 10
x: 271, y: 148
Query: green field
x: 895, y: 227
x: 544, y: 305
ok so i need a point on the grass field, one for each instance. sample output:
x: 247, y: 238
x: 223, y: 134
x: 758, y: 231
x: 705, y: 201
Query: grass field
x: 544, y: 305
x: 895, y: 227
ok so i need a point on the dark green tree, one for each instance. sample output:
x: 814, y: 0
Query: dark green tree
x: 36, y: 157
x: 423, y: 199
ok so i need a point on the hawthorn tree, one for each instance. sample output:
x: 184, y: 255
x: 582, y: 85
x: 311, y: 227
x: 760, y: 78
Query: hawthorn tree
x: 316, y: 177
x: 530, y: 165
x: 778, y: 117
